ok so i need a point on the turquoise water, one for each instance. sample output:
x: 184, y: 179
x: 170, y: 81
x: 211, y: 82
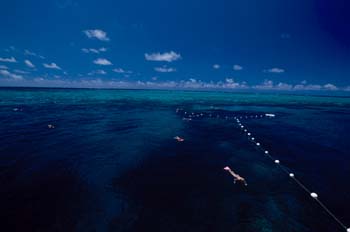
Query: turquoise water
x: 111, y: 163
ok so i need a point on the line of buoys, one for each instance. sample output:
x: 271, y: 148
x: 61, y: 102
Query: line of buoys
x: 292, y: 175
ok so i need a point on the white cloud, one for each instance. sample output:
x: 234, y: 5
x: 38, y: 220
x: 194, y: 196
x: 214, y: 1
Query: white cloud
x: 216, y: 66
x: 94, y: 50
x: 164, y: 69
x: 3, y: 67
x: 30, y: 53
x: 52, y: 66
x: 6, y: 73
x: 167, y: 56
x: 330, y: 87
x: 237, y: 67
x: 267, y: 84
x: 275, y: 70
x: 100, y: 72
x: 97, y: 34
x: 154, y: 78
x: 230, y: 83
x: 29, y: 64
x: 20, y: 71
x: 102, y: 61
x: 9, y: 60
x: 120, y: 70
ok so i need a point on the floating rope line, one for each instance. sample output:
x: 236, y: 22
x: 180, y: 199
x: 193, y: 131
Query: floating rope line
x: 292, y: 175
x: 190, y: 116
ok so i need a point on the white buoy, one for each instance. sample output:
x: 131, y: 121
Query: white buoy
x: 314, y: 195
x: 258, y: 144
x: 291, y: 175
x: 245, y: 130
x: 270, y: 115
x: 277, y: 161
x: 348, y: 229
x: 249, y: 134
x: 242, y: 127
x: 253, y: 138
x: 266, y: 152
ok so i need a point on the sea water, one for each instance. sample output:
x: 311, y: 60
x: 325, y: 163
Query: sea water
x: 111, y: 164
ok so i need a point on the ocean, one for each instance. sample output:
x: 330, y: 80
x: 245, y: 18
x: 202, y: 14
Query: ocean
x: 110, y: 161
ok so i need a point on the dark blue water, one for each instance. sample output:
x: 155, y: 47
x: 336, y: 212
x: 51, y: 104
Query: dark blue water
x: 111, y: 163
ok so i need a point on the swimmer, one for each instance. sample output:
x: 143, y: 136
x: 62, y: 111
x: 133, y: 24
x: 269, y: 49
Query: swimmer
x: 50, y: 126
x: 235, y: 176
x: 179, y: 139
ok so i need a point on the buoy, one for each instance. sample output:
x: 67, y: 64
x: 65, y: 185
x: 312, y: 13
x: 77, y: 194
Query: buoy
x: 253, y: 138
x: 277, y: 161
x: 242, y: 127
x: 348, y: 229
x: 314, y: 195
x: 245, y: 130
x: 249, y: 134
x: 291, y: 175
x: 266, y: 152
x: 258, y: 144
x: 270, y: 115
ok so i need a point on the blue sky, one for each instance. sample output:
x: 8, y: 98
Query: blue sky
x: 272, y: 44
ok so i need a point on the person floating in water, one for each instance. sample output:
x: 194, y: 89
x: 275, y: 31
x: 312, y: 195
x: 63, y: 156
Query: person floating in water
x: 235, y: 176
x: 50, y: 126
x: 179, y: 139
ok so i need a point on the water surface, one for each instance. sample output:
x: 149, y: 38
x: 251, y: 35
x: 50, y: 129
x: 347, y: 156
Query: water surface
x: 111, y: 163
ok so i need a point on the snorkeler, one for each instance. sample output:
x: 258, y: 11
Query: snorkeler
x: 235, y: 176
x: 179, y: 139
x: 50, y: 126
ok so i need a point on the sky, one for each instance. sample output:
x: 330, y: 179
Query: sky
x: 292, y: 45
